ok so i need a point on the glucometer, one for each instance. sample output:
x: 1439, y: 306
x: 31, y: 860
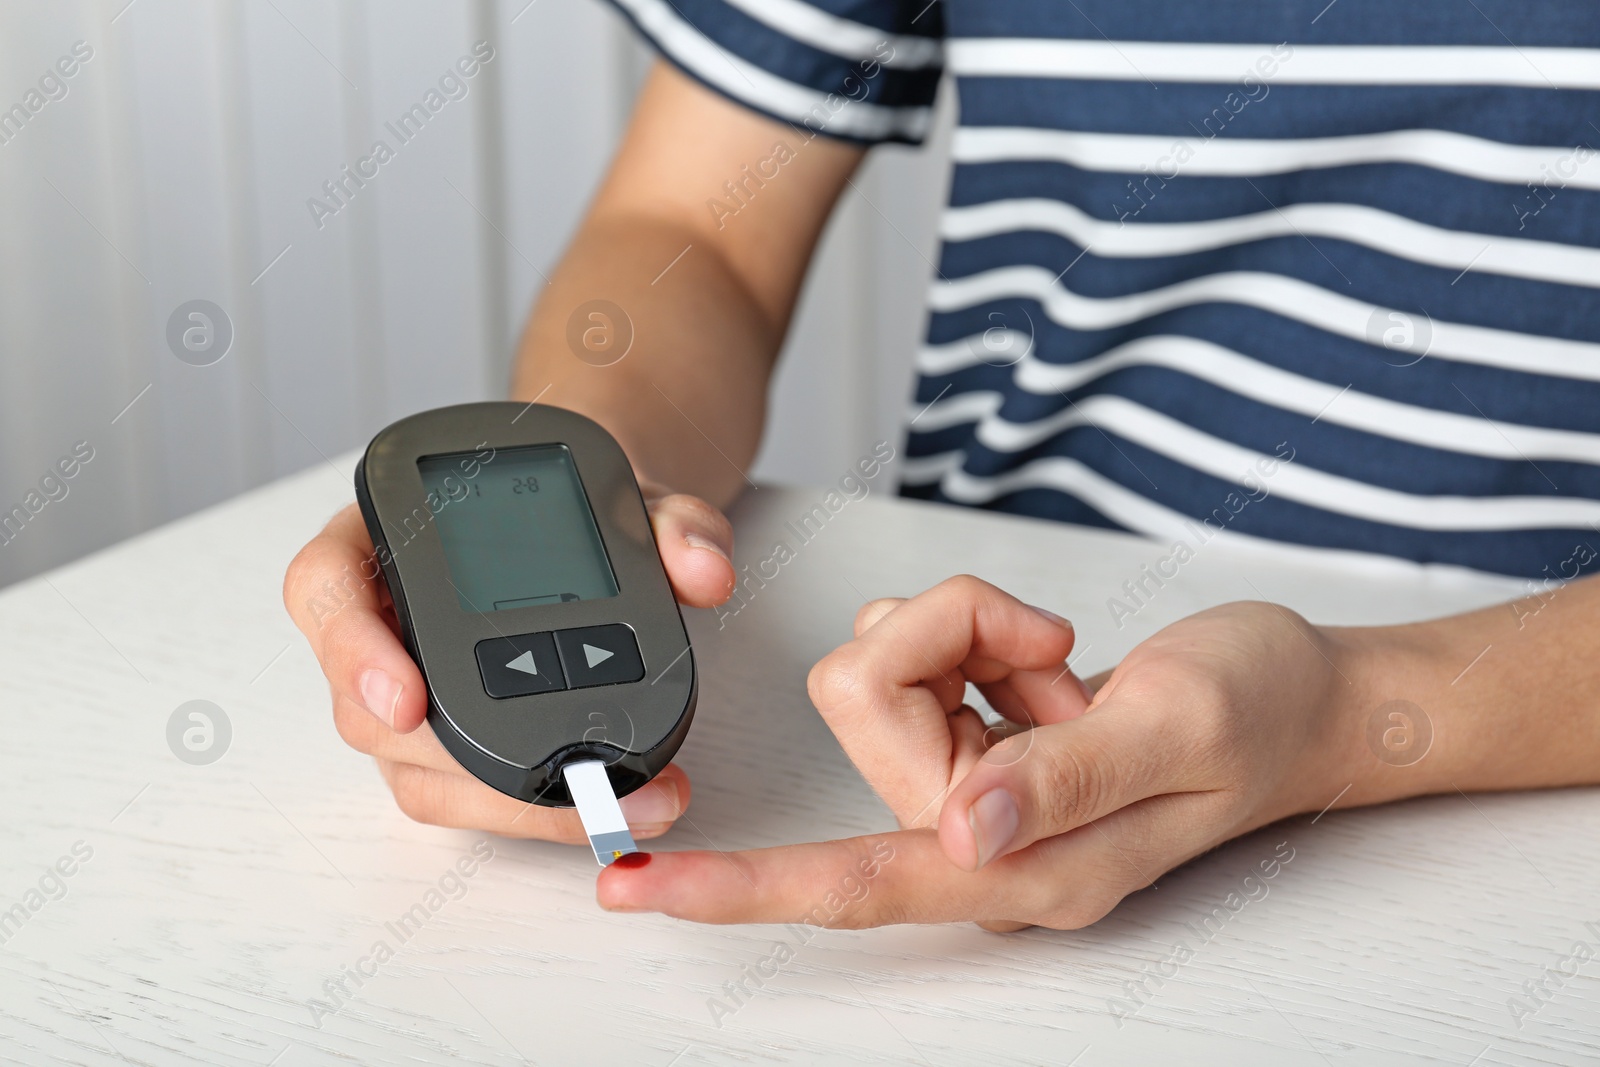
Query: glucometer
x: 525, y: 577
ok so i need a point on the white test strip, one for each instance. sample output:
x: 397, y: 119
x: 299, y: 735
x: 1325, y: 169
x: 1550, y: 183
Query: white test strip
x: 599, y: 810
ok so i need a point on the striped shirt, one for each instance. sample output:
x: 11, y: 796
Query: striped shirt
x: 1256, y: 270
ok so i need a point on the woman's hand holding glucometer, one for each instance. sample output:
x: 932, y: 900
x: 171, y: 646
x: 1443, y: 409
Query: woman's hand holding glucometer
x: 379, y: 698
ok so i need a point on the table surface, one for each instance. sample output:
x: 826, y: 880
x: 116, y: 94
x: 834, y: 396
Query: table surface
x: 216, y: 901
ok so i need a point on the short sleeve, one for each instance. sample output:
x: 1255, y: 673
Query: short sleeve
x: 860, y: 70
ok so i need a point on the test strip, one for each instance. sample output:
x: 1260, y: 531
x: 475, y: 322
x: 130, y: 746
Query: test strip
x: 599, y: 810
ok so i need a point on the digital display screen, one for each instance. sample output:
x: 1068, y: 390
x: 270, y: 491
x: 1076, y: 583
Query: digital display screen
x: 516, y: 528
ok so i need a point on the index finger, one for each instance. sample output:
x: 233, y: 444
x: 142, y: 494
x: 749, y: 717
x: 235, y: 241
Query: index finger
x: 877, y: 880
x: 332, y: 592
x: 1064, y: 882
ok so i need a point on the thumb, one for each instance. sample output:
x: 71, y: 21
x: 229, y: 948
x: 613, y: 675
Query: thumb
x: 696, y: 542
x: 1055, y: 778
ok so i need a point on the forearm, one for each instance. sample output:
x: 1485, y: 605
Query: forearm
x: 688, y: 399
x: 1511, y: 692
x: 705, y: 291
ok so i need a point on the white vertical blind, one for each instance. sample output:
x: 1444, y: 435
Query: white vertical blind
x: 178, y: 164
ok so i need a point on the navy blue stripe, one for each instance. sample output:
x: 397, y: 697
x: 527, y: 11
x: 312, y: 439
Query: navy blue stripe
x: 1035, y: 503
x: 1541, y: 117
x: 1324, y: 445
x: 1475, y: 297
x: 920, y: 442
x: 1198, y: 495
x: 1438, y: 198
x: 916, y: 18
x: 1549, y: 23
x: 1502, y: 395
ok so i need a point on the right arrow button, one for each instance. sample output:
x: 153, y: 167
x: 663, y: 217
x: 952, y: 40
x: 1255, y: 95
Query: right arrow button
x: 599, y: 655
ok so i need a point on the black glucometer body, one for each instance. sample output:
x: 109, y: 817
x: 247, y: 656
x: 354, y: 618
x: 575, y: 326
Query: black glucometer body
x: 525, y: 576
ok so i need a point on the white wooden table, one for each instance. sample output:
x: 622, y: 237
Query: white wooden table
x: 219, y: 899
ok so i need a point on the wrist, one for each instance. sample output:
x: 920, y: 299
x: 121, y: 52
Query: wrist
x: 1381, y: 742
x: 1404, y: 725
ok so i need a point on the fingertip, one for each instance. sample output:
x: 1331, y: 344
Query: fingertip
x: 680, y: 780
x: 1057, y: 640
x: 1085, y: 689
x: 956, y: 839
x: 701, y: 572
x: 411, y: 710
x: 660, y: 801
x: 1058, y: 620
x: 696, y: 544
x: 634, y: 884
x: 873, y: 611
x: 390, y: 688
x: 380, y: 694
x: 976, y: 831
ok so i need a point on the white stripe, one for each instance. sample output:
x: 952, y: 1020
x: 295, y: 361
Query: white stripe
x: 842, y: 37
x: 1289, y: 297
x: 1167, y: 157
x: 1381, y: 230
x: 1143, y: 515
x: 1265, y: 384
x: 925, y: 470
x: 1229, y: 462
x: 962, y: 408
x: 997, y: 346
x: 1542, y: 68
x: 745, y: 81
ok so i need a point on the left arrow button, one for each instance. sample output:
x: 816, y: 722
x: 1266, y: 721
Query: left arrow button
x: 519, y: 666
x: 524, y: 663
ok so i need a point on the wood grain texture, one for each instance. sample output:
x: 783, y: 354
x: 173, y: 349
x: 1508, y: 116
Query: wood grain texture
x: 219, y: 899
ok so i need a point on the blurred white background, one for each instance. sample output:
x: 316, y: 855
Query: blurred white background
x: 176, y: 163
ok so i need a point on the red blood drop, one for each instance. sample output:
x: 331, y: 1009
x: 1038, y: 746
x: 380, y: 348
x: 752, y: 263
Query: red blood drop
x: 632, y: 859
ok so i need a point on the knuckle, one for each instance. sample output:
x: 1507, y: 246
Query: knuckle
x: 1087, y: 900
x: 1073, y: 787
x: 356, y: 726
x: 1208, y: 694
x: 547, y: 824
x: 300, y: 576
x: 837, y: 679
x: 1218, y: 735
x: 416, y: 793
x: 570, y: 832
x: 1077, y: 912
x: 1043, y: 901
x: 966, y: 586
x: 862, y: 915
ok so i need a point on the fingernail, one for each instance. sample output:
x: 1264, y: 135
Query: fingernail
x: 381, y: 694
x: 1052, y: 616
x: 694, y: 540
x: 994, y: 819
x: 632, y: 859
x: 624, y: 907
x: 656, y: 802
